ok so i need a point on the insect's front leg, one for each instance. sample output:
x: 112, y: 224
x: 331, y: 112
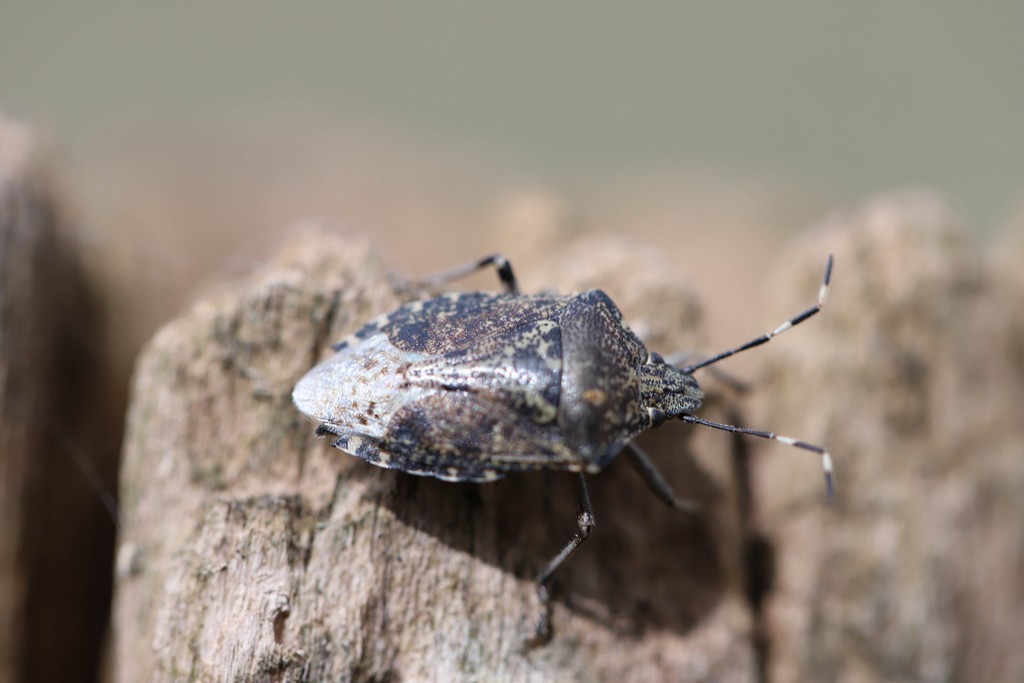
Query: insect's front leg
x: 656, y: 482
x: 586, y: 521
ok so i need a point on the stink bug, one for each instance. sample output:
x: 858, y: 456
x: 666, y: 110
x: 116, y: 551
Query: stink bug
x: 473, y: 386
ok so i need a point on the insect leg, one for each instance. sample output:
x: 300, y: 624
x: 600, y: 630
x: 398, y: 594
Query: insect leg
x: 323, y: 429
x: 500, y: 263
x: 656, y: 482
x: 586, y: 521
x: 363, y: 446
x: 826, y: 459
x: 792, y: 322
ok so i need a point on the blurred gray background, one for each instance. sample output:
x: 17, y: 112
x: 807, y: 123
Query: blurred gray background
x: 837, y: 100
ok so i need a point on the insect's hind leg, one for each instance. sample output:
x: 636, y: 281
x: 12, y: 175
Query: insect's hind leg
x: 323, y: 429
x: 586, y: 521
x: 500, y: 263
x: 360, y: 445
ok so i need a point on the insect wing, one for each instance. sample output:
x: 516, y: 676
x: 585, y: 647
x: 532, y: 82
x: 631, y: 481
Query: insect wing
x: 462, y: 321
x: 461, y: 387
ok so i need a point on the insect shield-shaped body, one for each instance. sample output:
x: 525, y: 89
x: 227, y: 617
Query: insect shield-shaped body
x: 471, y: 386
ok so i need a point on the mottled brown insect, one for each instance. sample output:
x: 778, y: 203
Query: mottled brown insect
x: 473, y: 386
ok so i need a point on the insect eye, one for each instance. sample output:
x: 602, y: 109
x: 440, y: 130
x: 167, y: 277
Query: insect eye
x: 658, y: 417
x: 654, y: 358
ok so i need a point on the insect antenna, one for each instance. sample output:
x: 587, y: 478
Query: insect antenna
x: 826, y: 459
x: 757, y: 341
x: 735, y: 383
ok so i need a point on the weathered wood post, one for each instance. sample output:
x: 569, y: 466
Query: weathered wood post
x: 253, y: 551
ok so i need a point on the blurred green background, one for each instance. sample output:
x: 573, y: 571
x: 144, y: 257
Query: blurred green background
x: 838, y: 100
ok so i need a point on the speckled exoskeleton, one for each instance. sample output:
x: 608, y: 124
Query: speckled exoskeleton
x: 473, y: 386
